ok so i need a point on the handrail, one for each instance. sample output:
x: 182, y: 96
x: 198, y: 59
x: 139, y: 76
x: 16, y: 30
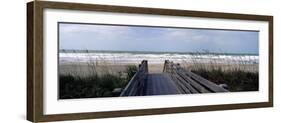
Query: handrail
x: 136, y: 84
x: 190, y: 82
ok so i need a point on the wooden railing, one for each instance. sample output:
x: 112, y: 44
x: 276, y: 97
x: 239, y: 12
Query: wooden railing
x: 189, y: 82
x: 135, y: 87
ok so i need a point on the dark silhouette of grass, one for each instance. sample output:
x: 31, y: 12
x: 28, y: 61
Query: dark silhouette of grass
x: 239, y: 74
x: 74, y: 86
x: 236, y: 80
x: 131, y: 70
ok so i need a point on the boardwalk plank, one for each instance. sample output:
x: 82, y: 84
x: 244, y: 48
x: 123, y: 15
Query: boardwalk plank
x: 197, y: 86
x: 208, y: 84
x: 197, y: 82
x: 173, y: 80
x: 183, y: 89
x: 188, y: 85
x: 160, y: 84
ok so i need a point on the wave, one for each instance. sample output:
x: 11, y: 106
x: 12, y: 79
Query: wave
x: 157, y: 58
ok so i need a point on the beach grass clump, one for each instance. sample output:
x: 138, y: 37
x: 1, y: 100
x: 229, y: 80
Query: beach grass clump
x: 75, y: 86
x: 131, y: 70
x: 239, y: 73
x: 236, y: 81
x: 95, y: 78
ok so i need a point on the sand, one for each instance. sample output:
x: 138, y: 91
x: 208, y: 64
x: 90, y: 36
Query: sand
x: 84, y: 69
x: 155, y: 68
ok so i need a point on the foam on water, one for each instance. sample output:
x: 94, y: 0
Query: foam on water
x: 156, y: 58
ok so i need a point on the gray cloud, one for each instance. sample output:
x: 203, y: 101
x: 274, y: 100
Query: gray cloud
x: 132, y: 38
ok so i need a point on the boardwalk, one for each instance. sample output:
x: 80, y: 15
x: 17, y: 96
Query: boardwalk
x: 173, y: 80
x: 160, y: 84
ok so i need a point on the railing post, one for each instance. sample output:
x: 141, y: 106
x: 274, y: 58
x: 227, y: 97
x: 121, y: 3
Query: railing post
x: 136, y: 84
x: 164, y: 68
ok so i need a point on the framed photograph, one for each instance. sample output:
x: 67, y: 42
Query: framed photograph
x: 96, y: 61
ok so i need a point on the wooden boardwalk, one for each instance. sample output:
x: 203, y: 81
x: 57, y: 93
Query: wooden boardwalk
x: 160, y: 84
x: 173, y: 80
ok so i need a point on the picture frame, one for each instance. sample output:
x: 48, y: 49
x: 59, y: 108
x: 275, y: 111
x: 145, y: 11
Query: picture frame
x: 36, y: 55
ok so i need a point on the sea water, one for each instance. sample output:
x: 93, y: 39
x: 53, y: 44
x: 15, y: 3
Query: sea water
x: 135, y: 57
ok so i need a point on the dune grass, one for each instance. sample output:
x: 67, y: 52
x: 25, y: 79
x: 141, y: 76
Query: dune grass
x: 240, y: 74
x: 236, y: 81
x: 72, y: 87
x: 96, y: 83
x: 100, y: 79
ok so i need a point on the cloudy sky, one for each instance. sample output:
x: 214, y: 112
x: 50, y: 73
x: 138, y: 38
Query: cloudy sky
x: 133, y: 38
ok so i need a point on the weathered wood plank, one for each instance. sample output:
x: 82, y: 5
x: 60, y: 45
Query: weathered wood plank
x: 198, y: 87
x: 206, y: 83
x: 191, y: 80
x: 160, y: 84
x: 181, y: 86
x: 188, y: 85
x: 179, y: 83
x: 172, y: 69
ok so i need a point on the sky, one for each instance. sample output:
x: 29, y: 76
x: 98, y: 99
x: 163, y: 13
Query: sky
x: 140, y: 38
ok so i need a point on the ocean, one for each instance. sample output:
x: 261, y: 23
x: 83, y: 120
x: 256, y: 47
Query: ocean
x: 135, y: 57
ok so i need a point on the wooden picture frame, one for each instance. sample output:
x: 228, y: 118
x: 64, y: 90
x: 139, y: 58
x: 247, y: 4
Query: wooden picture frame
x: 35, y: 46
